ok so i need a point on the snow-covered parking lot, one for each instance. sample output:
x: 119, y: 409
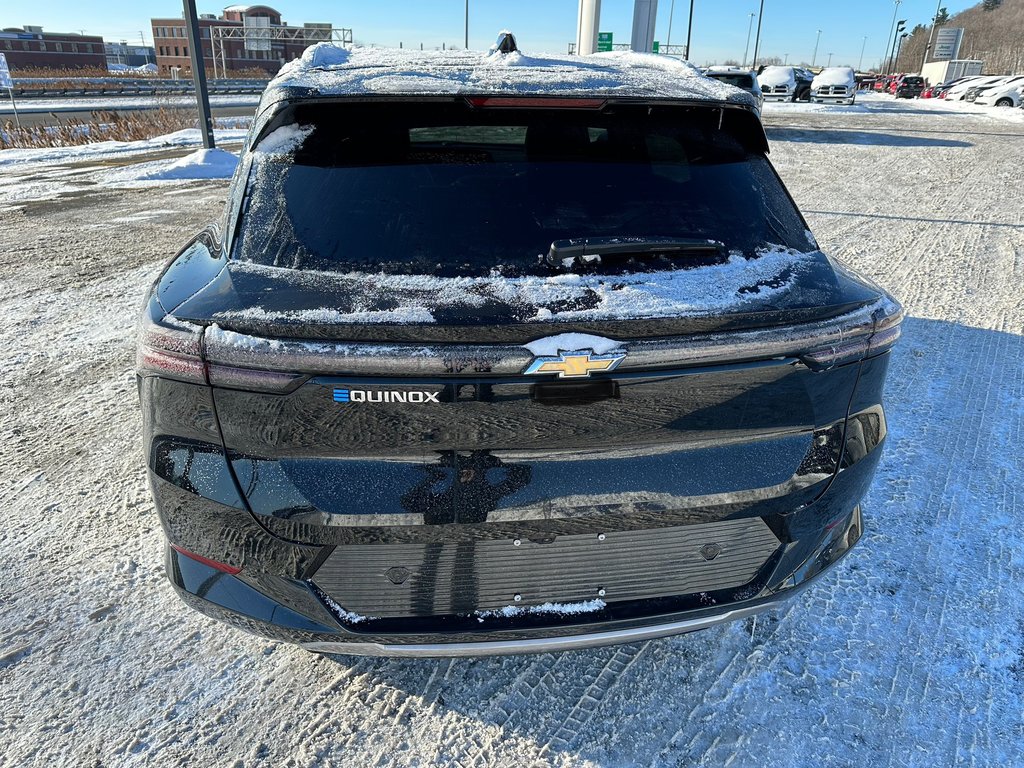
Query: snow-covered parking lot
x: 910, y: 653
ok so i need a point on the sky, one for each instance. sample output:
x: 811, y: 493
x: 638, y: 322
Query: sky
x: 720, y: 27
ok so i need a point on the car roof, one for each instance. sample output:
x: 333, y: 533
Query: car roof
x: 325, y: 70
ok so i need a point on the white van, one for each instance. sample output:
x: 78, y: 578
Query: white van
x: 835, y: 84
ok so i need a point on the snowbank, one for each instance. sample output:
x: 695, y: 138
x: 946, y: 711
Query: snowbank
x: 201, y: 164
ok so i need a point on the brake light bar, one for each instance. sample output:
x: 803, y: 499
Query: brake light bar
x: 518, y: 102
x: 169, y: 347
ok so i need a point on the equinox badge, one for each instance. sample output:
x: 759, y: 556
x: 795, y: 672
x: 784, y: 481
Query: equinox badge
x: 578, y: 363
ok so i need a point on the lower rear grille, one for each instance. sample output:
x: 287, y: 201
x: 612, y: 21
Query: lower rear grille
x: 462, y: 577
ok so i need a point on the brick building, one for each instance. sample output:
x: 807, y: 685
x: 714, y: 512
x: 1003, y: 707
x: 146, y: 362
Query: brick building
x: 29, y: 46
x: 170, y: 39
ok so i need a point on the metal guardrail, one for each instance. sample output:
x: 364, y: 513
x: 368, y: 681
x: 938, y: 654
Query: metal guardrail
x: 164, y: 88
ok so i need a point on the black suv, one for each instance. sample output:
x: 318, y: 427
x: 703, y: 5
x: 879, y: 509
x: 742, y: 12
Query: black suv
x: 497, y: 354
x: 910, y: 87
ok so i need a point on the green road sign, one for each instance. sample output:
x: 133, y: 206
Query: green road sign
x: 604, y: 41
x: 654, y: 48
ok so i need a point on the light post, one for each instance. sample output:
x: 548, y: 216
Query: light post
x: 899, y: 45
x: 785, y: 59
x: 899, y: 28
x: 671, y: 13
x: 814, y: 55
x: 757, y: 37
x: 829, y: 59
x: 935, y: 18
x: 467, y: 27
x: 860, y: 61
x: 892, y: 26
x: 689, y: 31
x: 750, y: 26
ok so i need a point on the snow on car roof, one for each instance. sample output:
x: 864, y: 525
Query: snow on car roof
x: 833, y: 76
x: 327, y: 70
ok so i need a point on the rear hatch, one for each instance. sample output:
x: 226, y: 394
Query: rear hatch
x: 542, y: 318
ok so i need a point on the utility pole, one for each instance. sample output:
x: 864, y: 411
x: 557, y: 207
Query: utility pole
x: 750, y: 26
x: 757, y: 37
x: 195, y: 51
x: 814, y: 55
x: 931, y: 34
x: 885, y: 53
x: 860, y: 61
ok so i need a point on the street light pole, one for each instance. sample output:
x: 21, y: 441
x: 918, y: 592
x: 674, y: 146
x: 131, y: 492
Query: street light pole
x: 689, y: 31
x: 860, y: 61
x: 892, y: 26
x: 671, y: 13
x: 892, y: 51
x: 757, y: 37
x: 829, y: 59
x: 466, y: 39
x: 750, y: 26
x: 899, y: 46
x: 814, y: 56
x: 927, y: 48
x: 195, y: 50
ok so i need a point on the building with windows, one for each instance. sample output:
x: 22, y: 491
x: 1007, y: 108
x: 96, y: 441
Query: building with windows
x: 261, y: 50
x: 29, y: 47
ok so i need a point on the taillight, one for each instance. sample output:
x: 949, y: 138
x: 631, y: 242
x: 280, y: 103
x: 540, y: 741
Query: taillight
x: 231, y: 570
x: 169, y: 347
x: 867, y: 340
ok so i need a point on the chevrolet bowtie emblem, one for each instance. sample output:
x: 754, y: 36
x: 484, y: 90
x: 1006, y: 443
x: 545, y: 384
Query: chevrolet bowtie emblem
x: 580, y: 362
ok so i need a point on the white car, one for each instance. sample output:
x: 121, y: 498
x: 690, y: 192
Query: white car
x: 1006, y: 94
x: 834, y: 84
x: 957, y: 92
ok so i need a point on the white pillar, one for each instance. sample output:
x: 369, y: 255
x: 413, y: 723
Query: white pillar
x: 587, y: 22
x: 645, y: 13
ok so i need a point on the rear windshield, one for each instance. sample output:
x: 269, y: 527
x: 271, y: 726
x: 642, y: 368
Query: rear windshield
x: 740, y: 81
x: 418, y: 189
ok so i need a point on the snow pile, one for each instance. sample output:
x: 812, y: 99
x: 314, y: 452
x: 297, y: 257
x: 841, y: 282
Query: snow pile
x: 327, y: 315
x: 563, y: 297
x: 570, y: 342
x: 331, y: 70
x: 284, y: 140
x: 201, y: 164
x: 834, y: 76
x: 557, y: 609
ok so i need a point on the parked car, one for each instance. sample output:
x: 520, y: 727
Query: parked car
x: 1003, y: 94
x: 910, y: 87
x: 957, y: 92
x: 780, y: 83
x: 744, y: 79
x: 375, y: 421
x: 834, y: 84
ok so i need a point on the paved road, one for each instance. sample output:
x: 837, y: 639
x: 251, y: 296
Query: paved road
x: 909, y: 654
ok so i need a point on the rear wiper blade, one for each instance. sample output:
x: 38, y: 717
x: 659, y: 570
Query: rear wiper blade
x: 590, y: 250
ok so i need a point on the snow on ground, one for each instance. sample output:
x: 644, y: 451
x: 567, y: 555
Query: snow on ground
x: 911, y: 653
x: 76, y: 104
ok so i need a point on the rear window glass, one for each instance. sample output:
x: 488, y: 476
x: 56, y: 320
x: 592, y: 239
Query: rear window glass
x: 740, y: 81
x: 418, y: 189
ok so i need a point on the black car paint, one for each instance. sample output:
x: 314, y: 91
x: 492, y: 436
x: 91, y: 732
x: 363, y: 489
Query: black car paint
x: 238, y: 478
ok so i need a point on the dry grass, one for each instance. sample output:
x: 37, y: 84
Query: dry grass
x: 103, y: 126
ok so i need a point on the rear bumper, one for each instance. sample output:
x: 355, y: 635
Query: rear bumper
x: 279, y: 622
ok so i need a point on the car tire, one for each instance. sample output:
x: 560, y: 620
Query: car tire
x: 1004, y: 103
